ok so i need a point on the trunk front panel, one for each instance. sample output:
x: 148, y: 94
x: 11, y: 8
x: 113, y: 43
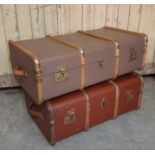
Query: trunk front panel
x: 69, y: 114
x: 51, y: 88
x: 96, y: 73
x: 102, y: 102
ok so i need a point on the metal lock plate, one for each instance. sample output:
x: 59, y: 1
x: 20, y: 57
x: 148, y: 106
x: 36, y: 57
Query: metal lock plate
x: 100, y: 63
x: 130, y: 95
x: 103, y: 103
x: 61, y: 75
x: 132, y: 55
x: 69, y: 117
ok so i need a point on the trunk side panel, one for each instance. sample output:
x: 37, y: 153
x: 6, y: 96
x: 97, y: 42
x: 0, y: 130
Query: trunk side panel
x: 20, y: 59
x: 129, y: 83
x: 43, y: 124
x: 127, y: 66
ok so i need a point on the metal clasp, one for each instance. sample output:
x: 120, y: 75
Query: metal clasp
x: 132, y: 55
x: 103, y: 103
x: 61, y: 75
x: 130, y: 95
x: 100, y: 63
x: 70, y: 117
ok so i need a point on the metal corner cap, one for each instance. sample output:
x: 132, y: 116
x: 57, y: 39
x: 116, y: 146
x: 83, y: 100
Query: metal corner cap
x: 36, y: 61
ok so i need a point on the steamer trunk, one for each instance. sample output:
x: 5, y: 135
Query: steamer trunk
x: 53, y: 66
x: 69, y: 114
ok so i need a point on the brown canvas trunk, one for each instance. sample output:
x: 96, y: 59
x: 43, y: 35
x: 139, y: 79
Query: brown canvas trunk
x: 53, y: 66
x: 69, y: 114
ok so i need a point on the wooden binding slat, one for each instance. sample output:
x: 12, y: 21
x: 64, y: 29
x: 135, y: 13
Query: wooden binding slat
x: 141, y: 89
x: 117, y: 98
x: 123, y: 30
x: 87, y: 110
x: 52, y: 122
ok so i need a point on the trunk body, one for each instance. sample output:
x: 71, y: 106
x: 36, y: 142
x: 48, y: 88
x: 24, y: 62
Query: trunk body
x: 69, y: 114
x: 55, y: 66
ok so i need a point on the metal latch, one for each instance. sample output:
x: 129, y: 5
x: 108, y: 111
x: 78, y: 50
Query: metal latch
x: 61, y: 75
x: 132, y: 55
x: 70, y: 117
x: 130, y: 95
x: 100, y: 63
x: 103, y: 103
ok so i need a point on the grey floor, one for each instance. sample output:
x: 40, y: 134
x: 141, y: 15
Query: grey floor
x: 134, y: 130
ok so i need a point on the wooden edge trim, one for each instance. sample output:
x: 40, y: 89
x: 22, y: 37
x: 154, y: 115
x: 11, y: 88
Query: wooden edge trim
x: 96, y: 36
x: 117, y: 62
x: 117, y: 50
x: 123, y: 30
x: 145, y: 51
x: 141, y: 89
x: 87, y: 109
x: 23, y: 49
x: 37, y: 68
x: 40, y: 91
x: 82, y: 57
x: 52, y: 122
x: 117, y: 98
x: 39, y: 81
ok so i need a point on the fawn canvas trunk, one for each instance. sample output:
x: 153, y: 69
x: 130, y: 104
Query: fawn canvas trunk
x: 57, y: 65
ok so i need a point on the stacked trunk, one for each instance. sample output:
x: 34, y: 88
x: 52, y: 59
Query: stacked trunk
x: 80, y: 79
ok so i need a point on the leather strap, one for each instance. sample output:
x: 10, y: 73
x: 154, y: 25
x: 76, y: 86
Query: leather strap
x: 117, y: 98
x: 82, y: 57
x: 32, y: 112
x: 87, y: 110
x: 117, y: 50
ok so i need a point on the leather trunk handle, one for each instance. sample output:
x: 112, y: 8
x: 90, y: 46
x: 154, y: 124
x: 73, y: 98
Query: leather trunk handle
x: 19, y: 72
x: 36, y: 114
